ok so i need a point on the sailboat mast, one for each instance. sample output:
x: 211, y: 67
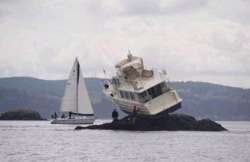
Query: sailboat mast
x: 77, y: 83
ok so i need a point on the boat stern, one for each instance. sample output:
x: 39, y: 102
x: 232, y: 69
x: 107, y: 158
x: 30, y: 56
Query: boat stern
x: 167, y: 102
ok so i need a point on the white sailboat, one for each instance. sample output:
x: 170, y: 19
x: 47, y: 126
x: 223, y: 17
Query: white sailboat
x: 75, y: 107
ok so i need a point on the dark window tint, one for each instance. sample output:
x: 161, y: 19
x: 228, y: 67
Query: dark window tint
x: 122, y: 94
x: 155, y: 91
x: 132, y: 96
x: 127, y: 95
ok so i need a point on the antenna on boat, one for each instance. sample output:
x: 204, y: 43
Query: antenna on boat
x: 129, y: 52
x: 164, y: 72
x: 105, y: 73
x: 129, y: 55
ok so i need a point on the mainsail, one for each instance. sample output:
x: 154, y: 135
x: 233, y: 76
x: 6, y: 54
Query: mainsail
x: 84, y: 105
x: 76, y: 97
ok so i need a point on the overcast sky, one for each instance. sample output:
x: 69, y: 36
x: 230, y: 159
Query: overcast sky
x: 201, y: 40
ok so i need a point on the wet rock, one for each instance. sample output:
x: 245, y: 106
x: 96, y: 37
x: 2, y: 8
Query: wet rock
x: 171, y: 122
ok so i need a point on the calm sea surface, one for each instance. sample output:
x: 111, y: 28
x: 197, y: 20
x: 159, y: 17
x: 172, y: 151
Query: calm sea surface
x: 41, y: 141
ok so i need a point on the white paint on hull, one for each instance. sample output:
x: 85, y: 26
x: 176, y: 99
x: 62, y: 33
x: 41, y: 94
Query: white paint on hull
x: 152, y: 107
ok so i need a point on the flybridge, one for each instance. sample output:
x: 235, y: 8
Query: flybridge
x: 135, y: 86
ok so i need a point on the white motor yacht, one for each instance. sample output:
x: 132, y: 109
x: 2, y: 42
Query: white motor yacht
x: 135, y: 87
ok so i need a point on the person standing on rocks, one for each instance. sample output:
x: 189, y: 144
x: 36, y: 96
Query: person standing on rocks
x: 115, y: 115
x: 70, y: 113
x: 134, y: 115
x: 55, y: 115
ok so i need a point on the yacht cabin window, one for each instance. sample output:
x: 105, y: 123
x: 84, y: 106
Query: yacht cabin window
x: 146, y: 95
x: 153, y: 92
x: 122, y: 94
x: 132, y: 96
x: 115, y: 81
x: 127, y: 95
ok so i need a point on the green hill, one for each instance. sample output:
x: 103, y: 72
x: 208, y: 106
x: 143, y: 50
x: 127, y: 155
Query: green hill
x: 200, y: 99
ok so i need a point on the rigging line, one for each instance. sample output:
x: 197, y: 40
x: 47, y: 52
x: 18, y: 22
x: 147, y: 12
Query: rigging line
x: 105, y: 78
x: 78, y: 72
x: 77, y: 83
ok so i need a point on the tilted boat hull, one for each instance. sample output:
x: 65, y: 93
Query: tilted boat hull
x: 166, y: 103
x: 164, y: 112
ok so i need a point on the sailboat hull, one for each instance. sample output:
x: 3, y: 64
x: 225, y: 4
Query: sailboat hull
x: 73, y: 121
x: 76, y: 100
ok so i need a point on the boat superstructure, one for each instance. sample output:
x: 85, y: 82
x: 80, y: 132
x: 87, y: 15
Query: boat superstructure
x: 140, y: 88
x: 75, y: 107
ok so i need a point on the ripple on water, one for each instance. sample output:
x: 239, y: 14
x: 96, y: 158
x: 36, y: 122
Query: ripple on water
x: 41, y: 141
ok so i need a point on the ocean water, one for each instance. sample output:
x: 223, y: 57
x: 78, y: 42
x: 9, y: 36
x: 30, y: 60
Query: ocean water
x: 41, y: 141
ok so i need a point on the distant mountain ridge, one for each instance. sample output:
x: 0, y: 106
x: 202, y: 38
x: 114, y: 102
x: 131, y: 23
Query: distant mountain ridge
x: 200, y: 99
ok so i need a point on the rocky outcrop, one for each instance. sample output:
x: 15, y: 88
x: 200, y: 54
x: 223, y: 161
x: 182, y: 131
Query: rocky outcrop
x: 171, y: 122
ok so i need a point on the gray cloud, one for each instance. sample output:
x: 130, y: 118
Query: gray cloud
x: 160, y: 7
x: 193, y: 40
x: 141, y: 7
x: 231, y: 10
